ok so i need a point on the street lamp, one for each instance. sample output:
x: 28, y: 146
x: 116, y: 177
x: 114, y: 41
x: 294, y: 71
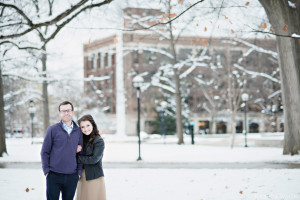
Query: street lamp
x: 137, y: 83
x: 245, y: 98
x: 31, y: 111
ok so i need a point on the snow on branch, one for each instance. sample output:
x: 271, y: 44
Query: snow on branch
x: 201, y: 82
x: 208, y: 97
x: 206, y: 108
x: 165, y: 87
x: 167, y: 80
x: 64, y: 15
x: 193, y: 62
x: 24, y: 101
x: 257, y: 48
x: 155, y: 81
x: 12, y: 94
x: 167, y: 22
x: 161, y: 51
x: 18, y: 46
x: 256, y: 73
x: 48, y: 79
x: 274, y: 94
x: 291, y: 4
x: 294, y: 35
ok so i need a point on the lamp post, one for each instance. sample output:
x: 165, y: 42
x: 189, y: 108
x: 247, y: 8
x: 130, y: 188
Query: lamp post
x: 161, y: 114
x: 31, y: 112
x: 137, y: 83
x: 245, y: 98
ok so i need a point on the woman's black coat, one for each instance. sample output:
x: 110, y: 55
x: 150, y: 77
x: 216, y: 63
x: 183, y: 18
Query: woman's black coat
x: 91, y: 158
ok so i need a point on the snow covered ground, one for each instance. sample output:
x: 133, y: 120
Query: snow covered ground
x: 169, y: 184
x: 206, y: 149
x: 164, y: 183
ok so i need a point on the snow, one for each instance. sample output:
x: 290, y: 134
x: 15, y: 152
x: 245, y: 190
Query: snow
x: 294, y: 35
x: 254, y: 74
x: 162, y: 184
x: 123, y: 149
x: 166, y: 182
x: 291, y: 4
x: 274, y: 94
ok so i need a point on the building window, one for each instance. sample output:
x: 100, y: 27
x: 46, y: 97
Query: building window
x: 136, y: 57
x: 113, y: 59
x: 93, y: 62
x: 252, y: 59
x: 219, y: 59
x: 108, y: 82
x: 184, y: 53
x: 190, y: 101
x: 149, y: 57
x: 235, y: 56
x: 108, y: 104
x: 99, y: 60
x: 100, y: 84
x: 221, y: 127
x: 106, y: 59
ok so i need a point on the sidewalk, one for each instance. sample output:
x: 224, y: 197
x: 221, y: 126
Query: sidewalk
x: 154, y: 150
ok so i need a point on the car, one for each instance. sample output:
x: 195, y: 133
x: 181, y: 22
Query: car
x: 18, y: 133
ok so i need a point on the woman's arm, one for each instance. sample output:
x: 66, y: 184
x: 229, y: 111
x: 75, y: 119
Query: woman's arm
x: 96, y: 156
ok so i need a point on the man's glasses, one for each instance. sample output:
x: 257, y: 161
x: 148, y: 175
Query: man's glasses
x: 66, y: 111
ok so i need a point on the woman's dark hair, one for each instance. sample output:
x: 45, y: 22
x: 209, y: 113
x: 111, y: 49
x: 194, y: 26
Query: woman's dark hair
x: 89, y: 138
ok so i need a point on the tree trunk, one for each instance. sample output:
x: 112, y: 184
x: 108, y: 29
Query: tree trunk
x: 285, y: 21
x: 2, y: 119
x: 233, y: 129
x: 177, y: 84
x: 45, y: 92
x: 178, y: 109
x: 212, y: 129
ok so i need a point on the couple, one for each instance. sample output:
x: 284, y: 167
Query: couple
x: 65, y: 163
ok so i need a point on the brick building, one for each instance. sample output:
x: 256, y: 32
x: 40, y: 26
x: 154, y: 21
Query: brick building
x: 100, y: 60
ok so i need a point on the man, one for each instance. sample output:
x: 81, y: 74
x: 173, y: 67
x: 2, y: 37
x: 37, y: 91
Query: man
x: 59, y: 155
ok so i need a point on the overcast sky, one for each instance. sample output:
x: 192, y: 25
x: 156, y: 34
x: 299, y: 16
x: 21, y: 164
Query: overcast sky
x: 67, y: 48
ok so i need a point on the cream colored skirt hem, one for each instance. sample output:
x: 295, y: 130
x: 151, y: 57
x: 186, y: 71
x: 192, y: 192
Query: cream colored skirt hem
x: 90, y: 190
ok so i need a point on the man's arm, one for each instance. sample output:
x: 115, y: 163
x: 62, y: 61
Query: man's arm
x: 46, y: 150
x: 79, y: 165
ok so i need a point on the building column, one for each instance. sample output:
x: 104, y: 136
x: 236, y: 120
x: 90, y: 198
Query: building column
x: 120, y: 96
x: 196, y: 127
x: 213, y: 127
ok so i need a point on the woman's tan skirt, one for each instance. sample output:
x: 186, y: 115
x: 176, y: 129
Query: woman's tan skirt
x: 90, y: 190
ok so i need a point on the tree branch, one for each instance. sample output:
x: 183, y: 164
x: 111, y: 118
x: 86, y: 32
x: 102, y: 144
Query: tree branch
x: 59, y: 27
x: 19, y: 11
x: 19, y: 47
x: 57, y: 19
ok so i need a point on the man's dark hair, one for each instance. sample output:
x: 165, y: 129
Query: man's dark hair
x: 65, y: 103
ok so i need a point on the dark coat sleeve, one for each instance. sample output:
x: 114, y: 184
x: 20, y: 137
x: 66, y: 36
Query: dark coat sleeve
x: 46, y: 150
x: 98, y: 148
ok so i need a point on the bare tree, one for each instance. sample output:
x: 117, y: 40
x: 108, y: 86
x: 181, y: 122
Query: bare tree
x: 284, y: 17
x: 17, y: 24
x: 166, y: 29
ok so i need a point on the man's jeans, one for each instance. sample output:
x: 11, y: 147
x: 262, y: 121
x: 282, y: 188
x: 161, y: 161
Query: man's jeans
x: 64, y: 183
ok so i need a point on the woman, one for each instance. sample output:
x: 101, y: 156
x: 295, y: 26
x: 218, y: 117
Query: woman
x: 91, y: 185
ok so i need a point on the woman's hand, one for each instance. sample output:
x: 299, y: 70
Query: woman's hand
x: 79, y: 148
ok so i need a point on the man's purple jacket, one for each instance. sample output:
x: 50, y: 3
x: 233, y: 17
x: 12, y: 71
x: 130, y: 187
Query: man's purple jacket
x: 59, y: 150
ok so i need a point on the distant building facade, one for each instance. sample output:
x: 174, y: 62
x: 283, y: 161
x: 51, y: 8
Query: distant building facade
x: 100, y: 60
